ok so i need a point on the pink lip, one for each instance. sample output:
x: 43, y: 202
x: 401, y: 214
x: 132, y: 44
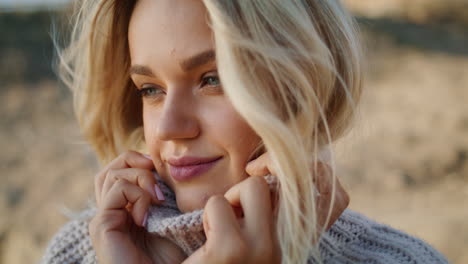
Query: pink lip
x: 186, y: 168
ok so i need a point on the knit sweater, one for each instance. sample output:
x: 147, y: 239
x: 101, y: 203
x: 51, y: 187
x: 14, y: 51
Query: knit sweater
x: 353, y: 238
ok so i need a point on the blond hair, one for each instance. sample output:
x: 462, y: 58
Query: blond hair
x: 290, y: 68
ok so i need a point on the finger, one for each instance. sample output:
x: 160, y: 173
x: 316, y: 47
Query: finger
x: 261, y: 166
x: 224, y: 240
x: 340, y: 203
x: 328, y: 213
x: 128, y: 159
x: 219, y: 218
x: 123, y: 193
x: 321, y: 177
x: 253, y: 196
x: 140, y: 177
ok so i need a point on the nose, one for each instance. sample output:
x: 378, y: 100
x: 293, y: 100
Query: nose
x: 178, y: 119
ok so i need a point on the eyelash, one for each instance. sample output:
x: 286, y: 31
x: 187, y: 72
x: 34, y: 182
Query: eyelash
x: 144, y: 92
x: 205, y: 80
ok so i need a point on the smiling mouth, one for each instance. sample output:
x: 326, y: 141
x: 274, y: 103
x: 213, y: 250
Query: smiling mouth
x: 187, y: 168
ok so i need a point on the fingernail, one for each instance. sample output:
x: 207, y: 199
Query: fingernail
x: 145, y: 218
x: 249, y: 164
x: 159, y: 193
x: 147, y: 156
x: 152, y: 192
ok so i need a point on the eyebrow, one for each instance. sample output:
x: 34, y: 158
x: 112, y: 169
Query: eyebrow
x: 188, y: 64
x: 198, y: 60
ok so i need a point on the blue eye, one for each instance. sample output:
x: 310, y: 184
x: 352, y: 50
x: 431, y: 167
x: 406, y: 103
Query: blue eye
x: 150, y: 91
x: 211, y: 80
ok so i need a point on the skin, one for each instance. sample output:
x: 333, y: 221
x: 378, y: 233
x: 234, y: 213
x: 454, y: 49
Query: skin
x: 186, y: 113
x: 184, y: 110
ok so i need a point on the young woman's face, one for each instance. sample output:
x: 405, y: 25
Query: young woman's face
x: 187, y: 119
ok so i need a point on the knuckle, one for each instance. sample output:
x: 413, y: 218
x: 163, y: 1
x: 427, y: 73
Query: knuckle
x: 127, y: 154
x: 96, y: 225
x: 111, y: 174
x: 100, y: 177
x: 120, y: 184
x: 145, y: 176
x: 215, y: 200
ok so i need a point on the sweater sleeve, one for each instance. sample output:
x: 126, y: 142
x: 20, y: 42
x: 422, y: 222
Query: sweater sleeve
x: 71, y: 244
x: 356, y: 239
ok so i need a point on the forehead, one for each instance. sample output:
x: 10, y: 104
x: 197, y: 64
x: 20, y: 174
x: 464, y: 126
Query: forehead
x: 165, y: 31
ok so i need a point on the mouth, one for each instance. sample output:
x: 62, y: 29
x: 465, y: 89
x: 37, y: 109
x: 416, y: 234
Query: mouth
x: 187, y: 168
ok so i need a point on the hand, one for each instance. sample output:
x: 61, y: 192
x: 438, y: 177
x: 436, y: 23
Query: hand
x: 323, y: 181
x: 247, y: 238
x: 124, y: 190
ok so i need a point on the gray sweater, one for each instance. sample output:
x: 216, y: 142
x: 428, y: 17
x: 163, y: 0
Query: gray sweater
x: 352, y: 239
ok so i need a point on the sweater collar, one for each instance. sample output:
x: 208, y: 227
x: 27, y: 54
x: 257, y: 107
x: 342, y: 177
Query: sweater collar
x: 183, y: 229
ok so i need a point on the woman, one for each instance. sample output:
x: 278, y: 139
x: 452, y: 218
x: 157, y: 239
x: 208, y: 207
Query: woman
x: 147, y: 76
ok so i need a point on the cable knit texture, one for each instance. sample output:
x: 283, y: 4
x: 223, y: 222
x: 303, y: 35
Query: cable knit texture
x: 352, y: 239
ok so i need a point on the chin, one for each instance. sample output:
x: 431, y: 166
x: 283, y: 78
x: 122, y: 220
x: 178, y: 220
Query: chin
x: 191, y: 203
x: 192, y: 200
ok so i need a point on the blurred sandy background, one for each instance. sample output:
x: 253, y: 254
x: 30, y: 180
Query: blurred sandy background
x: 405, y: 163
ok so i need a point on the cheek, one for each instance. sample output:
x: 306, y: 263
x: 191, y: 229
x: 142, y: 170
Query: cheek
x: 232, y: 132
x: 149, y: 126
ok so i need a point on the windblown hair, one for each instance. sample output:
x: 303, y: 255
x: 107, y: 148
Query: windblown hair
x: 291, y: 68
